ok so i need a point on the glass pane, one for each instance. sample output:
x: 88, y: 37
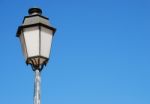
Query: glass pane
x: 31, y: 36
x: 46, y: 40
x: 23, y: 45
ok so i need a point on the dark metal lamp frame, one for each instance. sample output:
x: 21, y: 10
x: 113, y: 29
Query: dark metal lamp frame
x: 36, y: 64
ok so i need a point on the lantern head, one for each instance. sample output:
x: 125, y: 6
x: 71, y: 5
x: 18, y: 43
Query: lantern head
x: 36, y: 36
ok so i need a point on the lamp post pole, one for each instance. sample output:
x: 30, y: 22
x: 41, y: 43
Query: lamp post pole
x: 36, y: 34
x: 37, y: 91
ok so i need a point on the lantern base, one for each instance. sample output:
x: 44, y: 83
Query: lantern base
x: 37, y: 62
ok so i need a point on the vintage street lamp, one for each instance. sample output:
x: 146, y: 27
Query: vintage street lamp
x: 36, y: 36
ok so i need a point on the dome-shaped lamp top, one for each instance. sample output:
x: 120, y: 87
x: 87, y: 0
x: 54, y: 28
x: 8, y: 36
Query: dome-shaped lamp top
x: 33, y: 11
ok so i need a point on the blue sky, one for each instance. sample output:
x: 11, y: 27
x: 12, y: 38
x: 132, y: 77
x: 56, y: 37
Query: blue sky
x: 100, y: 53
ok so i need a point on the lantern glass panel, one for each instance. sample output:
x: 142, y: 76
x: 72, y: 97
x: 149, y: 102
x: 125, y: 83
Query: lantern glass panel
x: 31, y: 36
x: 22, y: 40
x: 46, y: 40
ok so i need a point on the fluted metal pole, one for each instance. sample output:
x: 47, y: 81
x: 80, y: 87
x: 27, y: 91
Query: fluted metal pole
x: 37, y: 87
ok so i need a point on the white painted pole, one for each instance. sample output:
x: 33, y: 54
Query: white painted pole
x: 37, y: 87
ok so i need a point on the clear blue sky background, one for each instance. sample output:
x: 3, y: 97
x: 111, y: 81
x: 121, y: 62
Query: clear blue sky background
x: 100, y: 53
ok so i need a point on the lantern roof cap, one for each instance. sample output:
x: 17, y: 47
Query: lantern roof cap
x: 35, y: 10
x: 34, y: 18
x: 28, y: 20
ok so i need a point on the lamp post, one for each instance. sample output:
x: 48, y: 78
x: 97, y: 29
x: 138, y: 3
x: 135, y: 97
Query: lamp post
x: 36, y: 35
